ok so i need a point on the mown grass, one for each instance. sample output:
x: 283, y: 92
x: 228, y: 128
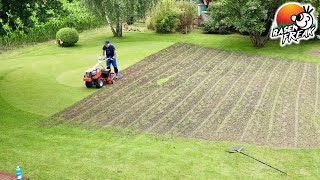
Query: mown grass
x: 164, y: 80
x: 41, y: 80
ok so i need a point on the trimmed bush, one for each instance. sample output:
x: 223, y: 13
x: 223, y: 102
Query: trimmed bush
x: 67, y: 37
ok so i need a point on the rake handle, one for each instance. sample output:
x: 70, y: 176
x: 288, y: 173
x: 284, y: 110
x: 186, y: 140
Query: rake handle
x: 263, y: 162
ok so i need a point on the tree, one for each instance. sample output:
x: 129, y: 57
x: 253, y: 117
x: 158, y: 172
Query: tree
x: 250, y: 16
x: 143, y: 6
x: 16, y: 13
x: 247, y: 16
x: 253, y: 20
x: 115, y: 11
x: 112, y: 10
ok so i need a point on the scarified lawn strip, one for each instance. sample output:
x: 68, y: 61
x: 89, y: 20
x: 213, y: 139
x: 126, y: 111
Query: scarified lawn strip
x: 283, y: 132
x: 227, y: 118
x: 191, y: 122
x: 308, y: 125
x: 195, y: 130
x: 174, y: 117
x: 222, y: 72
x: 171, y: 86
x: 139, y: 107
x: 261, y: 122
x: 242, y: 112
x: 162, y: 108
x: 217, y: 116
x: 203, y: 83
x: 274, y: 104
x: 192, y: 82
x: 317, y: 95
x: 317, y: 101
x: 296, y: 115
x: 248, y: 125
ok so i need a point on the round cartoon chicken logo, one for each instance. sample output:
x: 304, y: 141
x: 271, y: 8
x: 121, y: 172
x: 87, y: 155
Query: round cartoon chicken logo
x: 294, y: 22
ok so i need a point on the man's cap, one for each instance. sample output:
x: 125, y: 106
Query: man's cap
x: 107, y: 42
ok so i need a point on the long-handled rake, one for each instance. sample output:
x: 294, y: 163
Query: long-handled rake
x: 238, y: 150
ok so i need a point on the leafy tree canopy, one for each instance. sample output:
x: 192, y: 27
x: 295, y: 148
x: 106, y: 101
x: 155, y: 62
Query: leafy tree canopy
x: 250, y: 16
x: 118, y: 11
x: 15, y: 13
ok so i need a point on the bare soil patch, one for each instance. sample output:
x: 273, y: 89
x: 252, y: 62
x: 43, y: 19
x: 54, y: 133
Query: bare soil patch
x: 315, y: 52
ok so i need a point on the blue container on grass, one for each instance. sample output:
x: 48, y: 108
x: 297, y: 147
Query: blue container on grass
x: 18, y: 173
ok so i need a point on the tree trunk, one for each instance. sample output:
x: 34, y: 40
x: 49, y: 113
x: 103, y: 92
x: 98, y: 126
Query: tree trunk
x: 111, y: 26
x: 118, y: 20
x: 267, y: 38
x: 257, y: 39
x: 119, y: 27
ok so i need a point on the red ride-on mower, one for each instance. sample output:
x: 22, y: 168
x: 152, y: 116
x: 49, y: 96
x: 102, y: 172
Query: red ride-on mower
x: 98, y: 76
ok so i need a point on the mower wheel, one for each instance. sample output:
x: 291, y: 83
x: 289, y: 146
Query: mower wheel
x: 88, y: 84
x: 99, y: 83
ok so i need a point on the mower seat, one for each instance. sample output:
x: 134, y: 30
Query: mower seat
x: 105, y: 73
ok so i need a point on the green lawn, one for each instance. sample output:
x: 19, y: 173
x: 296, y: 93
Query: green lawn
x: 41, y: 80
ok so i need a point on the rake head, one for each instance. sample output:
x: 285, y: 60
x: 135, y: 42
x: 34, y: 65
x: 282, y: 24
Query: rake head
x: 235, y: 150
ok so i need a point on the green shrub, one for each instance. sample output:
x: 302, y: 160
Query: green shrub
x: 188, y: 12
x: 163, y: 17
x: 218, y: 24
x: 67, y: 37
x: 170, y: 16
x: 212, y: 27
x: 149, y: 23
x: 166, y: 22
